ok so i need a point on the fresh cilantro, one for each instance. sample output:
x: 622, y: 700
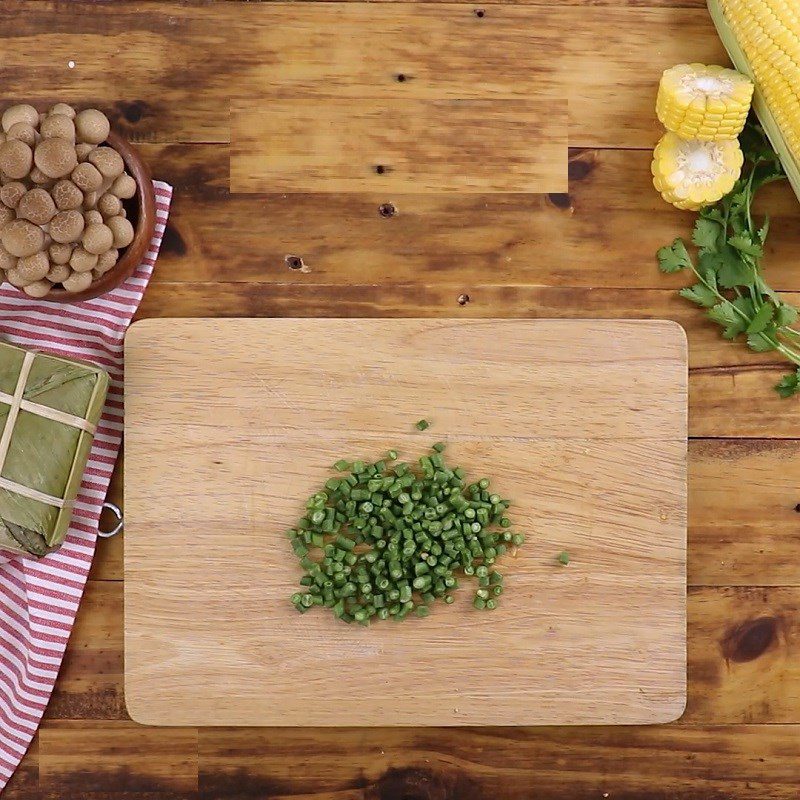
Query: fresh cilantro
x: 730, y: 246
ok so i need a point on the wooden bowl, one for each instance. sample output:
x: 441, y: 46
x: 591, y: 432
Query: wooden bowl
x: 141, y: 210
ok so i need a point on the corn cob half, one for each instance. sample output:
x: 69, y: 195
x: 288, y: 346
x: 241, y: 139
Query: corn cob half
x: 706, y: 103
x: 762, y: 38
x: 691, y: 174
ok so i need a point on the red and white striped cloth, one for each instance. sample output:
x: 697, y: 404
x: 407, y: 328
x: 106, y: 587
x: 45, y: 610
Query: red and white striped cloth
x: 39, y: 599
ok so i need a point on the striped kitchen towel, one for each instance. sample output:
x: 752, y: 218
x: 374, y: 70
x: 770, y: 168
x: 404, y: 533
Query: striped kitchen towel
x: 39, y: 599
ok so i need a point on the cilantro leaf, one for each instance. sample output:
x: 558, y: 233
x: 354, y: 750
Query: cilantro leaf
x: 785, y: 315
x: 759, y: 343
x: 674, y: 257
x: 712, y: 213
x: 706, y: 233
x: 733, y: 270
x: 762, y: 318
x: 700, y: 294
x: 789, y: 384
x: 744, y: 244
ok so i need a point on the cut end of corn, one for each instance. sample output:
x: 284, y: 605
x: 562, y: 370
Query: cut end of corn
x: 692, y: 174
x: 706, y: 103
x: 763, y: 39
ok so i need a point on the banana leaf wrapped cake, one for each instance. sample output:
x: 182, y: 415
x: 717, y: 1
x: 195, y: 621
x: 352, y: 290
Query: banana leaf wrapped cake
x: 49, y: 409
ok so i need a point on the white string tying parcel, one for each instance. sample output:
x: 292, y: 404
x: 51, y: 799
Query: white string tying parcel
x: 17, y: 403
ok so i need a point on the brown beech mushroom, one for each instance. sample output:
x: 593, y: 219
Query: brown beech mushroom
x: 109, y: 205
x: 24, y: 132
x: 60, y: 254
x: 38, y: 288
x: 55, y: 157
x: 20, y: 113
x: 40, y: 179
x: 12, y: 193
x: 22, y: 238
x: 34, y: 268
x: 15, y: 278
x: 93, y: 217
x: 87, y: 177
x: 66, y: 226
x: 108, y: 161
x: 89, y: 200
x: 58, y: 273
x: 7, y: 261
x: 97, y: 238
x: 122, y: 230
x: 62, y: 108
x: 6, y: 215
x: 58, y: 126
x: 15, y: 158
x: 124, y: 187
x: 105, y: 261
x: 37, y: 206
x: 82, y: 151
x: 67, y: 195
x: 82, y: 260
x: 92, y: 126
x: 77, y: 282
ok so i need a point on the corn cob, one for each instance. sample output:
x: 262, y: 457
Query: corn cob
x: 762, y: 38
x: 691, y: 174
x: 706, y: 103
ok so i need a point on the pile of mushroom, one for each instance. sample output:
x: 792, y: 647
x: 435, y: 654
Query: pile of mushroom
x: 62, y: 221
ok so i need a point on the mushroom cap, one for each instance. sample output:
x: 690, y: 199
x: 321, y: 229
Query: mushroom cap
x: 105, y: 261
x: 12, y: 193
x: 38, y: 288
x: 82, y: 151
x: 62, y: 108
x: 24, y: 132
x: 67, y: 195
x: 92, y: 126
x: 60, y: 253
x: 20, y: 113
x: 82, y: 260
x: 109, y: 205
x: 35, y: 267
x: 78, y: 281
x: 22, y: 238
x: 16, y: 158
x: 40, y: 179
x: 7, y: 261
x: 55, y: 157
x: 108, y: 161
x: 58, y: 273
x: 58, y: 126
x: 15, y: 278
x: 89, y: 200
x: 6, y: 215
x: 122, y: 230
x: 93, y: 217
x: 67, y: 226
x: 37, y: 206
x: 124, y: 186
x: 87, y: 177
x: 97, y: 238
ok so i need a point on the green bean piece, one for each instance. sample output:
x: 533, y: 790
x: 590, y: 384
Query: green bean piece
x: 422, y: 425
x: 563, y: 558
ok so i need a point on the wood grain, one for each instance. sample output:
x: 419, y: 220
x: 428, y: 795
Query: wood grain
x: 348, y: 50
x: 422, y: 146
x: 245, y: 433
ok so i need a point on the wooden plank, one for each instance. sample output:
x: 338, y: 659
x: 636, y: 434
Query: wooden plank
x: 241, y: 452
x: 742, y: 638
x: 748, y: 762
x: 348, y: 50
x: 603, y: 234
x: 735, y: 537
x: 118, y: 760
x: 424, y: 146
x: 741, y: 668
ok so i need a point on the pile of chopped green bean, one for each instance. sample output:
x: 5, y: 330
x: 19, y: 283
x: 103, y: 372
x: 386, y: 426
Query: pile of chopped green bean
x: 390, y: 538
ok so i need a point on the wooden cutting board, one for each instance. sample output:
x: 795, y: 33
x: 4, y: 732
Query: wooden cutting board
x: 232, y: 424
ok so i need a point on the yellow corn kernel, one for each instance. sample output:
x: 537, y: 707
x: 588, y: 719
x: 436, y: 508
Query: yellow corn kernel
x: 691, y: 174
x: 763, y: 40
x: 706, y: 103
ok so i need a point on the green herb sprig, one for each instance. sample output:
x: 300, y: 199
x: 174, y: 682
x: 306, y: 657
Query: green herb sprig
x: 729, y: 248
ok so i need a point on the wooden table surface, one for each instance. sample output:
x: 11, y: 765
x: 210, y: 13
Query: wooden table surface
x: 176, y: 78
